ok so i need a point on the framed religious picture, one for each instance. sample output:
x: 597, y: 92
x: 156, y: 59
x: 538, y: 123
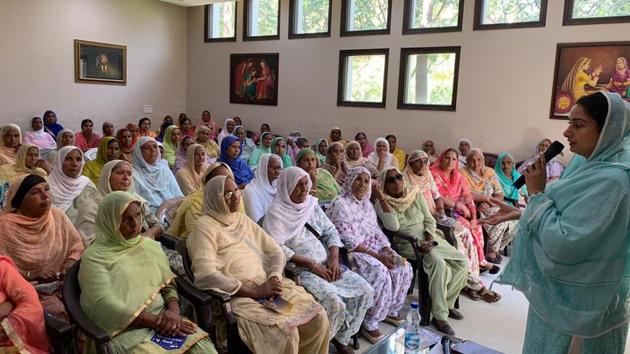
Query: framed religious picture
x: 254, y: 79
x: 101, y: 63
x: 585, y: 68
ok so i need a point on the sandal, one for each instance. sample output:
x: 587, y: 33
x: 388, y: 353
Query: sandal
x: 489, y: 296
x: 495, y: 260
x: 471, y: 294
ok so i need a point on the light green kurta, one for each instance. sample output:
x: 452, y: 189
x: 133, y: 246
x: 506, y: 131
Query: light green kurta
x: 327, y: 186
x: 445, y: 266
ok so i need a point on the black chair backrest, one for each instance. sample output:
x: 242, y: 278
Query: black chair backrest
x: 183, y: 251
x: 72, y: 289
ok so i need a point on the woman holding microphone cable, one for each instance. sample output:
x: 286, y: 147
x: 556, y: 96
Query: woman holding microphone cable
x: 571, y: 253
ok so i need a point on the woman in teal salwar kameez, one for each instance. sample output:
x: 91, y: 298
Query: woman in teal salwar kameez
x: 571, y: 255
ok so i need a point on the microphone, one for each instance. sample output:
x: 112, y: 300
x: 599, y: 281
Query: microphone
x: 553, y: 150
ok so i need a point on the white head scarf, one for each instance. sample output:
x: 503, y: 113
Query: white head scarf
x: 373, y: 156
x: 259, y: 190
x: 64, y: 189
x: 285, y: 219
x: 39, y: 138
x: 224, y: 132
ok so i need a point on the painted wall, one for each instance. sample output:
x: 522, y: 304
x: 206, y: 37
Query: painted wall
x: 37, y: 71
x: 505, y: 81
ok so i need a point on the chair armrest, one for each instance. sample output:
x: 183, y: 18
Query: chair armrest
x: 192, y: 293
x: 96, y: 333
x: 449, y: 235
x: 169, y: 241
x: 412, y: 240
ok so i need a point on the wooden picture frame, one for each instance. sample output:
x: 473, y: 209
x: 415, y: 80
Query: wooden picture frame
x: 100, y: 63
x: 254, y: 78
x: 402, y: 84
x: 407, y: 21
x: 584, y: 68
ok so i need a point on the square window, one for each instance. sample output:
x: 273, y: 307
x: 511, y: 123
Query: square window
x: 262, y: 20
x: 429, y: 16
x: 309, y: 18
x: 428, y: 78
x: 364, y: 17
x: 587, y: 12
x: 362, y: 78
x: 502, y: 14
x: 220, y: 22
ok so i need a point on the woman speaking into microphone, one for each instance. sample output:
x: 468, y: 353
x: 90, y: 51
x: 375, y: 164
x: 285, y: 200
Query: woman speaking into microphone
x: 571, y: 253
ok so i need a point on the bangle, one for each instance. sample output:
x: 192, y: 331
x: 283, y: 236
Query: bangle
x: 535, y: 194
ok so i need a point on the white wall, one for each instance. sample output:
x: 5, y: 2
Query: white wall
x: 504, y: 83
x: 37, y: 68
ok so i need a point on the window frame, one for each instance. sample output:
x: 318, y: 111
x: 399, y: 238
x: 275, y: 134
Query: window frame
x: 568, y: 19
x: 407, y: 21
x: 292, y: 21
x: 246, y: 14
x: 404, y: 53
x: 344, y: 18
x: 206, y: 19
x: 479, y: 26
x: 341, y: 77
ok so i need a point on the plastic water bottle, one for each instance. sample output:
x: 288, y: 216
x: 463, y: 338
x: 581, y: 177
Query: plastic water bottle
x: 412, y: 327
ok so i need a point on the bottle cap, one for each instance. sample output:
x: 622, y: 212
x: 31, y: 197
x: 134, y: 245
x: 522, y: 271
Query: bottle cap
x: 414, y: 305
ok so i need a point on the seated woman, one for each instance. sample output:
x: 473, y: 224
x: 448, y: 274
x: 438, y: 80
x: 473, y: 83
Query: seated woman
x: 108, y: 129
x: 247, y: 145
x: 279, y: 147
x: 335, y: 162
x: 417, y: 174
x: 170, y: 144
x: 231, y: 254
x: 428, y: 146
x: 507, y: 174
x: 231, y: 155
x: 28, y: 163
x: 456, y: 196
x: 381, y: 157
x: 336, y: 136
x: 10, y: 143
x: 38, y: 136
x: 182, y: 151
x: 211, y: 124
x: 144, y: 128
x: 400, y: 154
x: 152, y: 178
x: 263, y: 148
x: 66, y: 181
x: 259, y: 193
x: 264, y: 128
x: 51, y: 126
x: 64, y: 138
x: 323, y: 186
x: 484, y: 185
x: 464, y: 148
x: 228, y: 129
x: 116, y: 176
x: 108, y: 150
x: 203, y: 137
x: 189, y: 177
x: 134, y: 130
x: 321, y: 149
x: 166, y: 122
x: 364, y: 144
x: 187, y: 128
x: 190, y: 208
x: 354, y: 156
x: 140, y: 313
x: 312, y: 243
x: 126, y: 144
x: 404, y: 209
x: 40, y: 239
x: 86, y: 139
x: 21, y: 315
x: 353, y: 215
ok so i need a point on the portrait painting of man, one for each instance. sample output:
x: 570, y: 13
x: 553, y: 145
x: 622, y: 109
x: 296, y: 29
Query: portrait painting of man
x: 100, y: 62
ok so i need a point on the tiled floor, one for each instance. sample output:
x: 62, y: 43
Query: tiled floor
x: 500, y: 326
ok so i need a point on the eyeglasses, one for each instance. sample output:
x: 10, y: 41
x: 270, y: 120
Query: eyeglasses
x: 229, y: 195
x: 423, y: 160
x: 392, y: 179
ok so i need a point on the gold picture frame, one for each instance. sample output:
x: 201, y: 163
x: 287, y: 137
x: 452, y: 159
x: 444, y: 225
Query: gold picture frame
x: 100, y: 63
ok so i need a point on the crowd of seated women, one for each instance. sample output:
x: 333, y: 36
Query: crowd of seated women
x: 248, y: 204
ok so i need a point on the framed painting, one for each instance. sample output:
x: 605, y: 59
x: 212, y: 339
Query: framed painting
x: 254, y: 79
x: 101, y: 63
x: 585, y: 68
